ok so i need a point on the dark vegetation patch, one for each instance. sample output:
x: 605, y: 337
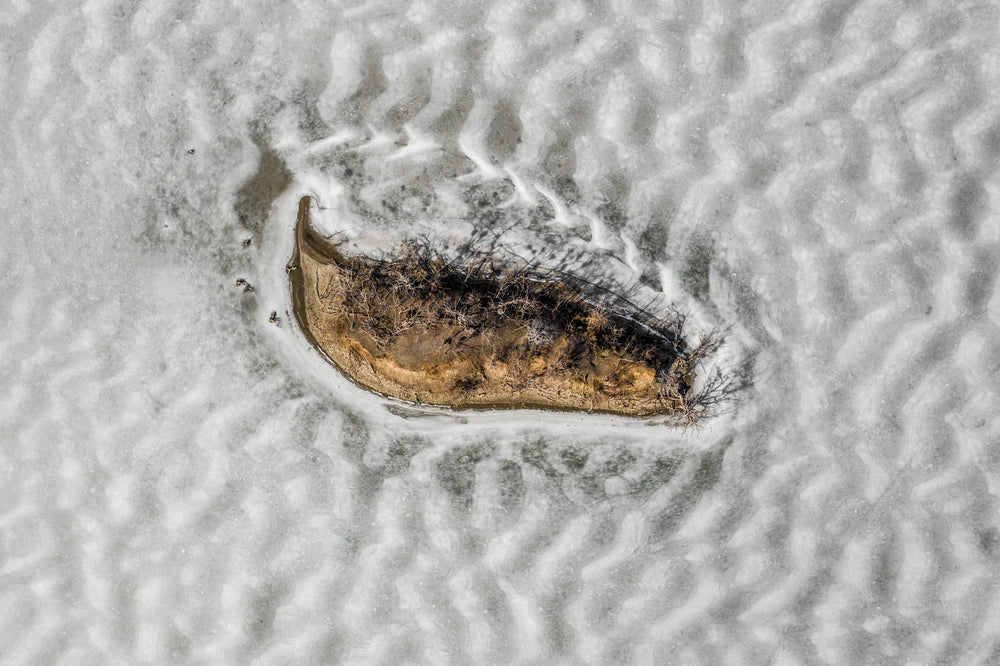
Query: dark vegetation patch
x: 477, y: 306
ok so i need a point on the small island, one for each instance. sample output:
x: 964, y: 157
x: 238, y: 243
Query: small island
x: 475, y: 334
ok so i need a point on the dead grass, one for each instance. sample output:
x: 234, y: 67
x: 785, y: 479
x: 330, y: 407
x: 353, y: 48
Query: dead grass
x: 527, y: 323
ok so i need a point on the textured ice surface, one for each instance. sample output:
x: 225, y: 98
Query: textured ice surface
x: 181, y: 481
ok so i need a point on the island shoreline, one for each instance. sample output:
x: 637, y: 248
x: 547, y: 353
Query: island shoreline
x: 529, y: 371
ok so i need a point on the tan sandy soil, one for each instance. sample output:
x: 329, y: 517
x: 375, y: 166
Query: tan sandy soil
x: 474, y: 336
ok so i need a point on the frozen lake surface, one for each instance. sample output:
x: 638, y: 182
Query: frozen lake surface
x: 182, y: 481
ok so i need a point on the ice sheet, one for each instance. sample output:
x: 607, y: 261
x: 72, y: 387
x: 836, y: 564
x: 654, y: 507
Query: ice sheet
x: 183, y: 482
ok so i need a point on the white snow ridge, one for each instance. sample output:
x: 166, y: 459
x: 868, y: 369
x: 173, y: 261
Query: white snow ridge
x: 184, y: 482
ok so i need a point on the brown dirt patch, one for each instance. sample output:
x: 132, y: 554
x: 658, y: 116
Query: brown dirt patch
x: 475, y: 334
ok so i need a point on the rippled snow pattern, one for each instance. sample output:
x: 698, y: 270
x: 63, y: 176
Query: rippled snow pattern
x: 177, y: 484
